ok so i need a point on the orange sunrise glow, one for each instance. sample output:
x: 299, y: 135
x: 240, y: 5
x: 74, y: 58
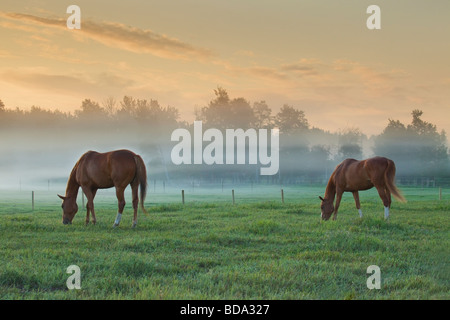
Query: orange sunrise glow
x: 334, y: 69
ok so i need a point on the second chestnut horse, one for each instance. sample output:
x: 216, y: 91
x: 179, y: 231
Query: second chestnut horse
x: 353, y: 176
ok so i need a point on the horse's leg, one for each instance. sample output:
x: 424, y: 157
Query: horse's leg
x: 134, y: 192
x: 385, y: 198
x: 87, y: 207
x: 358, y: 205
x: 121, y: 203
x: 388, y: 193
x: 388, y: 207
x: 338, y: 202
x: 94, y: 219
x: 90, y: 194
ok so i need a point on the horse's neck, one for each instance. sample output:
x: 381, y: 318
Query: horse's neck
x: 72, y: 184
x: 330, y: 191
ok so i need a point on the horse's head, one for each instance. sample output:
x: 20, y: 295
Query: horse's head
x: 70, y: 208
x: 326, y: 208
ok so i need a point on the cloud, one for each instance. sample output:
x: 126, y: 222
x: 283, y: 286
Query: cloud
x: 5, y: 54
x: 245, y: 53
x: 266, y: 72
x: 37, y: 78
x: 116, y: 35
x: 297, y: 67
x: 304, y: 71
x: 303, y: 67
x: 369, y: 74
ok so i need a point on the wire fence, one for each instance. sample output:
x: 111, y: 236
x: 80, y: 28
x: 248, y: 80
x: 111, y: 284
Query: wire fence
x: 161, y: 193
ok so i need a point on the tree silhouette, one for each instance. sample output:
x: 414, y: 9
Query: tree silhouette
x: 109, y: 105
x: 223, y: 112
x: 263, y: 115
x: 417, y: 147
x: 90, y: 109
x: 127, y: 107
x: 350, y: 144
x: 291, y: 120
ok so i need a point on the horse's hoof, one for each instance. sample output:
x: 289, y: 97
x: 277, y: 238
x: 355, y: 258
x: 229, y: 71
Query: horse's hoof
x: 133, y: 225
x: 115, y: 225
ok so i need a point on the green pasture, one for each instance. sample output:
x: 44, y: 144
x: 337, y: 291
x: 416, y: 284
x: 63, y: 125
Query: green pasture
x: 259, y: 248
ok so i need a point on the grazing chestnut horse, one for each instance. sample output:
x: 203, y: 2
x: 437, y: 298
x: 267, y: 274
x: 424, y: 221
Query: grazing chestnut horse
x: 95, y: 171
x: 353, y: 175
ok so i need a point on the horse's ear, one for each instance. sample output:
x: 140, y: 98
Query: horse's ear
x: 64, y: 198
x: 320, y: 198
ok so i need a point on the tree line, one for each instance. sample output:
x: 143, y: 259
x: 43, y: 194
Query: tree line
x: 307, y: 154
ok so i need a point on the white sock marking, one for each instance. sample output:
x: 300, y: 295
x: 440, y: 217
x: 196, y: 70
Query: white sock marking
x: 118, y: 218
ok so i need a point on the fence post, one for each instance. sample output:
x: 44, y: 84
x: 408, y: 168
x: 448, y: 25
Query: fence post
x: 232, y: 194
x: 32, y: 200
x: 182, y: 196
x: 282, y: 196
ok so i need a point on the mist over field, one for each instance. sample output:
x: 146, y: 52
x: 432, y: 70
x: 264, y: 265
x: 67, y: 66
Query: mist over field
x: 33, y: 154
x: 39, y: 147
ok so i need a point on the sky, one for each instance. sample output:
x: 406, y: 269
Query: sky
x: 318, y: 56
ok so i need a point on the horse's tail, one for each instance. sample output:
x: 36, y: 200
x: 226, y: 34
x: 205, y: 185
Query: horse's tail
x: 141, y: 175
x: 389, y: 176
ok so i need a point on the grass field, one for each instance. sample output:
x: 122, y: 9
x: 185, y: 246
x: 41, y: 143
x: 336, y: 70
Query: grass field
x: 210, y: 249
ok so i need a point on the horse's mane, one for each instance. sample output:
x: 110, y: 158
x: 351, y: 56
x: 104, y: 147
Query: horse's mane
x: 330, y: 191
x: 72, y: 182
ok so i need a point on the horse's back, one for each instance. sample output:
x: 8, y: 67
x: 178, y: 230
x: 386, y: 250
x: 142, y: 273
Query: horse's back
x: 352, y: 174
x: 105, y: 170
x: 377, y: 165
x: 350, y: 167
x: 378, y: 160
x: 121, y: 156
x: 111, y: 158
x: 374, y: 162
